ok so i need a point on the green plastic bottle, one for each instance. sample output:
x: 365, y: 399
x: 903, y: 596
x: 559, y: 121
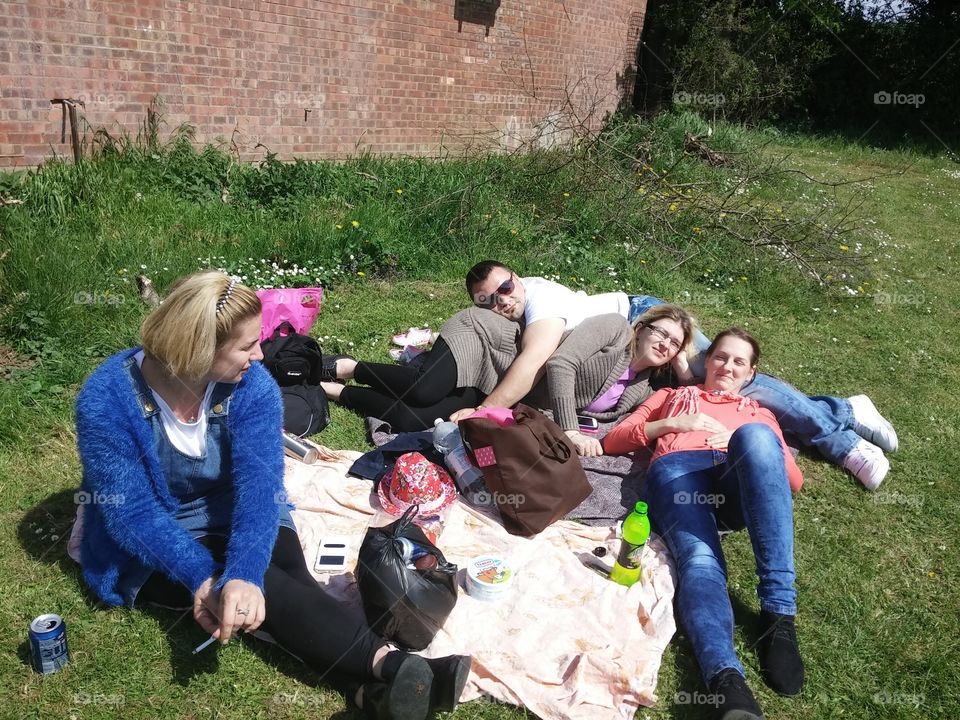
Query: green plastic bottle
x: 636, y: 530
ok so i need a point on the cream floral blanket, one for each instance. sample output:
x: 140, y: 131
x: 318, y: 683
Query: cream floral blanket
x: 565, y: 643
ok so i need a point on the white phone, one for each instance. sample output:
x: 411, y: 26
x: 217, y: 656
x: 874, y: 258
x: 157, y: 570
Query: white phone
x: 332, y: 556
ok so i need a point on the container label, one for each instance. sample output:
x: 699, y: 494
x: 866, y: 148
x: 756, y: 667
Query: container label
x: 629, y: 555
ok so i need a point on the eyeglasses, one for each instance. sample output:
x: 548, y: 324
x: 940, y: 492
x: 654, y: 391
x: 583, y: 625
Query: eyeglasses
x: 663, y: 336
x: 488, y: 302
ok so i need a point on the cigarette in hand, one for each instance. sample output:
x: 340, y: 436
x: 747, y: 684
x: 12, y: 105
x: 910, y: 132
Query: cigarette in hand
x: 206, y: 643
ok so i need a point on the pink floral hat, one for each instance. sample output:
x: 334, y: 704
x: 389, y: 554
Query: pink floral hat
x: 416, y: 481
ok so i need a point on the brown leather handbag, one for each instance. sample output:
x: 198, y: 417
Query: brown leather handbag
x: 532, y: 470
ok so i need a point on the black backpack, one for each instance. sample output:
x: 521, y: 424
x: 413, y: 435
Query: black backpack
x: 292, y: 359
x: 305, y: 409
x: 296, y: 363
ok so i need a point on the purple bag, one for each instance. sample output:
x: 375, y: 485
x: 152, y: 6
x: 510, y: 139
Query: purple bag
x: 297, y: 306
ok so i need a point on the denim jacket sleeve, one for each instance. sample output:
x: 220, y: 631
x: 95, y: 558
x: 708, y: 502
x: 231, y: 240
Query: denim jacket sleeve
x: 255, y: 420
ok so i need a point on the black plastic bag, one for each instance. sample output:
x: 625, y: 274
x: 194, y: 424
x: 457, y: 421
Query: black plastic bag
x: 403, y: 605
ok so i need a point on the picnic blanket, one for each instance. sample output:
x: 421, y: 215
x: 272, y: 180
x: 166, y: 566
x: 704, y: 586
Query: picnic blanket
x: 566, y: 642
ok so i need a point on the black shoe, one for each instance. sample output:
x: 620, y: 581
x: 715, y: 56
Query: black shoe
x: 734, y: 700
x: 328, y: 368
x: 779, y: 653
x: 449, y: 678
x: 406, y: 696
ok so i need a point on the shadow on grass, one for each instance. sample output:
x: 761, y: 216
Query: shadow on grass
x: 43, y: 533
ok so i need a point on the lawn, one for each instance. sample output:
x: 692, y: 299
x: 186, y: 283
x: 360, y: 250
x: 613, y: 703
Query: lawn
x: 391, y: 239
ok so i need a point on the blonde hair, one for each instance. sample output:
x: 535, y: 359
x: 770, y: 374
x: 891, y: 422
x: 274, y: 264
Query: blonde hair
x: 686, y: 321
x: 198, y: 315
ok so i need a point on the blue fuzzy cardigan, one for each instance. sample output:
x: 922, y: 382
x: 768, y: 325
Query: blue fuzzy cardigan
x: 119, y: 458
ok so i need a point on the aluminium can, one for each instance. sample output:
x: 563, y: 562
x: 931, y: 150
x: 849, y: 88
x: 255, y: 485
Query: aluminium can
x: 48, y: 643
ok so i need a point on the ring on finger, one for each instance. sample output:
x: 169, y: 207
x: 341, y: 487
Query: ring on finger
x: 245, y: 611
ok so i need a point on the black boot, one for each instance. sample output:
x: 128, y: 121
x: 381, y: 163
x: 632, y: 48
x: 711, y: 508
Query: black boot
x: 733, y: 698
x: 779, y: 653
x: 450, y: 675
x: 404, y: 695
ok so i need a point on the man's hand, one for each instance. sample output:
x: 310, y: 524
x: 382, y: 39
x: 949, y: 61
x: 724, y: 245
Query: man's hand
x: 586, y: 446
x: 462, y: 414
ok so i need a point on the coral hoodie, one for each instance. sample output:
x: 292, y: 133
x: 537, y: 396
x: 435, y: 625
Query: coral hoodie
x: 731, y: 410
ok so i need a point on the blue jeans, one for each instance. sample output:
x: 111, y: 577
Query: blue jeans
x: 690, y: 494
x: 820, y: 422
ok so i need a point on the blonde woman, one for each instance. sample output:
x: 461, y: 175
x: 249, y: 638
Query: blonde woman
x: 183, y: 436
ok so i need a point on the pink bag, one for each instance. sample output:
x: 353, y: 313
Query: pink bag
x: 297, y: 306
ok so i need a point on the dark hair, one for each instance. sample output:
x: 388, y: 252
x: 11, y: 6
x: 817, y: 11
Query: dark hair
x: 479, y: 272
x: 743, y: 335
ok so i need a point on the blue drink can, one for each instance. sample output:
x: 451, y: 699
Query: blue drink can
x: 48, y: 643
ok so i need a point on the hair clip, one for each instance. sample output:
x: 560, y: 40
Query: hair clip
x: 226, y: 295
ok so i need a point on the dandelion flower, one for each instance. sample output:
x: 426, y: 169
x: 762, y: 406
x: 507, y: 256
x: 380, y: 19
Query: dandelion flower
x: 361, y: 273
x: 514, y: 231
x: 642, y: 190
x: 673, y: 207
x: 844, y: 247
x: 399, y: 191
x: 338, y: 226
x: 355, y: 223
x: 486, y: 216
x: 697, y: 230
x: 566, y: 194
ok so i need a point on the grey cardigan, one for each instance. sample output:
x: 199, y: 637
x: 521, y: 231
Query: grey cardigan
x: 484, y: 345
x: 592, y: 357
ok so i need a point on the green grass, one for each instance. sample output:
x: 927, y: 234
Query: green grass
x: 877, y: 573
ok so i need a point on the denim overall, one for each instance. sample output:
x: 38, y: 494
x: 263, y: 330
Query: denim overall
x: 203, y: 485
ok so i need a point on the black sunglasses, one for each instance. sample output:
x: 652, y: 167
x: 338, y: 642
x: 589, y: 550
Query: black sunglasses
x: 488, y: 302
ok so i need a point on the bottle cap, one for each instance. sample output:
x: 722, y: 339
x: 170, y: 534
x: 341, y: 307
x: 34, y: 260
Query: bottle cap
x: 641, y: 507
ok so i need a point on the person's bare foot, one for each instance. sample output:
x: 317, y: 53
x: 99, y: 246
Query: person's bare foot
x: 332, y: 390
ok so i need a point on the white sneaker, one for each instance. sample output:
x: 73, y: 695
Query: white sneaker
x: 867, y: 464
x: 869, y: 424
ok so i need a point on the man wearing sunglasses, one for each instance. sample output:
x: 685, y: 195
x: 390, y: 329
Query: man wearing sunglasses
x: 848, y: 432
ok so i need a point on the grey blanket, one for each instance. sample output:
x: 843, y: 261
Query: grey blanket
x: 616, y: 479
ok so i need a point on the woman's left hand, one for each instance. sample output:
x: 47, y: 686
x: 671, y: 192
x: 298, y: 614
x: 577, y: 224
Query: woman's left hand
x: 585, y: 445
x: 242, y: 607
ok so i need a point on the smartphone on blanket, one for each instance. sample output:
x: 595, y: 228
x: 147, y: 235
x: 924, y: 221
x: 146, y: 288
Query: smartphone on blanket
x: 588, y: 425
x: 332, y: 556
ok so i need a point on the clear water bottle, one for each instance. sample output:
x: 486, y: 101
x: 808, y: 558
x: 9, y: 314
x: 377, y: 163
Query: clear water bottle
x: 449, y: 443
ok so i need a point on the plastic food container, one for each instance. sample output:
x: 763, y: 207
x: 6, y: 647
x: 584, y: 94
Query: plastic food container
x: 489, y: 578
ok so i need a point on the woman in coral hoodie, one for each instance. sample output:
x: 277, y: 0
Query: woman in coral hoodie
x: 720, y: 462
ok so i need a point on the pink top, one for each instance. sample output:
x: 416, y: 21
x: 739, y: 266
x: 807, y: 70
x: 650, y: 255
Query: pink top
x: 732, y: 410
x: 609, y: 400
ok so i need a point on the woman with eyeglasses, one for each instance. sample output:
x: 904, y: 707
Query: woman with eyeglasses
x: 720, y: 462
x: 604, y: 368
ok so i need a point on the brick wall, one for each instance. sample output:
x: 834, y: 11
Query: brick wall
x: 311, y: 78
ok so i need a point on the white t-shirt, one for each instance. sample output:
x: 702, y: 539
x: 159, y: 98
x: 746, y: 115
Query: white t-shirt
x: 547, y: 299
x: 188, y: 438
